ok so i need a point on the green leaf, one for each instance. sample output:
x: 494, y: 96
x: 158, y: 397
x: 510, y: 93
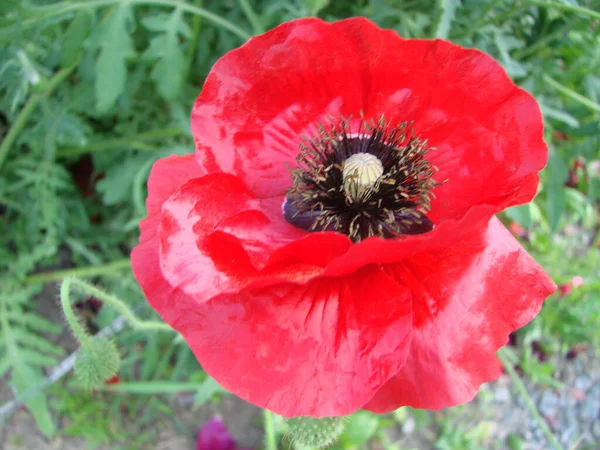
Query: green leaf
x: 520, y: 214
x: 74, y: 37
x: 360, y: 429
x: 555, y: 191
x: 559, y: 115
x: 208, y: 388
x: 447, y: 13
x: 35, y: 358
x: 24, y: 377
x: 505, y: 43
x: 116, y: 184
x: 169, y: 70
x: 116, y: 46
x: 39, y: 343
x: 315, y: 6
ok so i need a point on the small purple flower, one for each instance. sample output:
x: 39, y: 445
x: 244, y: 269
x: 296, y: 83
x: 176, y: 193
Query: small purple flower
x: 214, y: 436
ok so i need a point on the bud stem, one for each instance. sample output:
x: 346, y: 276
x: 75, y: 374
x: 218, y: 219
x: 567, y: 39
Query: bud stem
x: 270, y: 440
x: 116, y: 303
x: 80, y: 334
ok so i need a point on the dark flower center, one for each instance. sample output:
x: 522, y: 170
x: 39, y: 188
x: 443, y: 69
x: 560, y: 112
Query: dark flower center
x: 376, y: 182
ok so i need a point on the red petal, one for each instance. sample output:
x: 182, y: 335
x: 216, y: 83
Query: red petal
x: 260, y: 99
x: 215, y: 237
x: 355, y: 331
x: 166, y: 176
x: 321, y: 349
x: 466, y: 301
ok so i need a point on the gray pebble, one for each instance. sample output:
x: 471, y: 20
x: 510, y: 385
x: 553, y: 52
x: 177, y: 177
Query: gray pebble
x: 502, y: 395
x: 582, y: 382
x: 549, y: 404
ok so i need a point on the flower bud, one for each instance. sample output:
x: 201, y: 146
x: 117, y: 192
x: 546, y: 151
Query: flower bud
x: 96, y: 361
x: 310, y: 433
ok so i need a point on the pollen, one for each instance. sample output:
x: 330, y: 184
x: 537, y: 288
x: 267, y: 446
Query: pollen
x: 360, y: 174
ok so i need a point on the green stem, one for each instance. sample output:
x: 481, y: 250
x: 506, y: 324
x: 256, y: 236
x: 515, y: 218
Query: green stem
x: 270, y: 441
x: 28, y: 109
x: 565, y: 7
x: 89, y: 271
x: 119, y: 305
x: 193, y: 42
x: 65, y: 301
x: 252, y: 17
x: 63, y: 8
x: 572, y: 94
x: 111, y: 144
x: 508, y: 366
x: 542, y: 42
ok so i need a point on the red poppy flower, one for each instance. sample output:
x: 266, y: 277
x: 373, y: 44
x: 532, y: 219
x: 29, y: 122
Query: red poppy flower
x: 331, y: 245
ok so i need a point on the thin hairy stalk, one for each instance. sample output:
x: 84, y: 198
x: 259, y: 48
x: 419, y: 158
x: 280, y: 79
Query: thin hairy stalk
x: 116, y: 303
x: 111, y: 144
x: 65, y: 300
x: 522, y: 390
x: 90, y: 271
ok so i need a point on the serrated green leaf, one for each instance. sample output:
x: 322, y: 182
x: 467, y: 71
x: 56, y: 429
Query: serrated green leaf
x: 505, y: 43
x: 116, y: 47
x: 169, y: 69
x: 40, y: 344
x: 35, y: 358
x: 447, y: 13
x: 116, y: 184
x: 38, y: 322
x: 165, y: 22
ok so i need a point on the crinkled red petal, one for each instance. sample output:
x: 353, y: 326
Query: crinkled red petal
x: 466, y: 301
x: 319, y: 349
x: 355, y: 330
x: 215, y: 237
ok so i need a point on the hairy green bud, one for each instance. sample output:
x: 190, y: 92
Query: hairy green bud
x: 96, y: 361
x: 310, y: 433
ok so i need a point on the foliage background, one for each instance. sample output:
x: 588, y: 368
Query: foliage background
x: 93, y: 92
